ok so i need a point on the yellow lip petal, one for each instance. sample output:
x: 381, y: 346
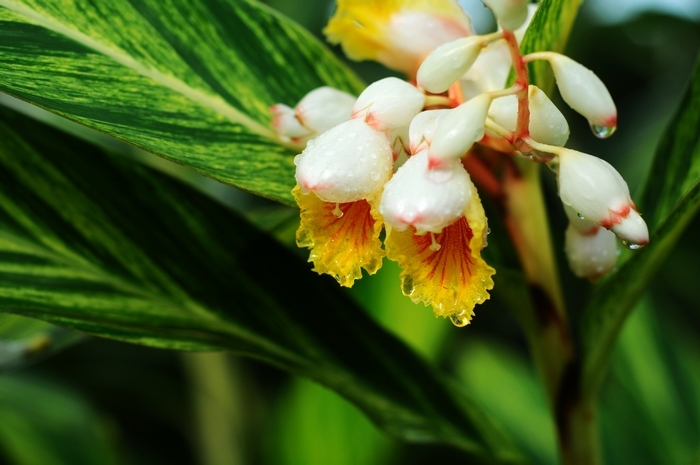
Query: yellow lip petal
x: 340, y: 245
x: 452, y: 279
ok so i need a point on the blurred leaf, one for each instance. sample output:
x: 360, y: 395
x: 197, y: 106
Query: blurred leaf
x: 646, y: 417
x: 25, y: 340
x: 508, y: 387
x: 111, y: 248
x: 313, y: 426
x: 549, y: 30
x: 188, y: 80
x: 41, y: 423
x: 670, y: 200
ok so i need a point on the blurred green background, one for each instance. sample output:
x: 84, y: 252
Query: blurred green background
x: 90, y: 401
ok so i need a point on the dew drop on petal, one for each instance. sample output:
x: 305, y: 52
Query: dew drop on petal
x: 407, y: 288
x: 458, y: 321
x: 632, y: 245
x: 603, y: 132
x: 337, y: 212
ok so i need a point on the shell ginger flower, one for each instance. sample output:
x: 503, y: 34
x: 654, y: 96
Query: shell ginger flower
x: 408, y: 157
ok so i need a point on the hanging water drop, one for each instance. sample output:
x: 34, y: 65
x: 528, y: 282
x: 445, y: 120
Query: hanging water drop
x: 603, y: 132
x: 458, y: 320
x: 407, y: 286
x: 632, y: 245
x: 337, y: 212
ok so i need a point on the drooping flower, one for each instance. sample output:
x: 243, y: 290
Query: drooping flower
x: 396, y: 33
x: 398, y: 163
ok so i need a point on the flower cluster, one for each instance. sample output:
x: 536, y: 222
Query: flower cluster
x: 399, y: 157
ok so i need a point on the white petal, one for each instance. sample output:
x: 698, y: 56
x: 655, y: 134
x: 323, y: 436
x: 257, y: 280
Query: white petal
x: 459, y: 130
x: 324, y: 108
x: 583, y: 91
x: 285, y: 122
x: 447, y: 63
x: 511, y: 14
x: 547, y: 124
x: 347, y: 163
x: 520, y: 32
x: 590, y: 255
x: 489, y: 71
x: 632, y: 230
x: 591, y: 186
x: 389, y: 103
x: 423, y: 127
x: 424, y: 199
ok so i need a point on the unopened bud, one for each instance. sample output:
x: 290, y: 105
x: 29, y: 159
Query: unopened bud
x: 423, y: 128
x: 350, y: 162
x: 389, y: 103
x: 419, y: 197
x: 583, y: 91
x: 597, y: 192
x: 286, y: 124
x: 591, y: 254
x: 511, y: 14
x: 547, y: 124
x: 459, y: 130
x: 447, y: 63
x: 324, y: 108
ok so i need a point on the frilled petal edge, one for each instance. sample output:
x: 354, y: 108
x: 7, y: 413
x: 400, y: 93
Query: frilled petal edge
x: 452, y: 279
x: 340, y: 245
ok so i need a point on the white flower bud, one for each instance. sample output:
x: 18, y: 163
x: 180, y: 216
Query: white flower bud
x: 460, y: 129
x: 489, y: 72
x: 547, y: 124
x: 447, y: 63
x: 631, y: 230
x: 597, y: 192
x: 591, y: 254
x: 511, y: 14
x: 520, y: 32
x: 423, y: 198
x: 583, y: 91
x: 389, y: 103
x: 324, y: 108
x: 347, y: 163
x: 286, y: 124
x: 423, y: 127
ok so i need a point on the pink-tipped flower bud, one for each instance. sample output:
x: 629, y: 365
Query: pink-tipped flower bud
x: 423, y: 198
x: 511, y: 14
x: 324, y: 108
x: 286, y: 124
x: 583, y: 91
x: 447, y: 63
x: 547, y: 124
x: 423, y: 127
x: 459, y: 130
x: 350, y: 162
x: 597, y: 192
x: 388, y: 104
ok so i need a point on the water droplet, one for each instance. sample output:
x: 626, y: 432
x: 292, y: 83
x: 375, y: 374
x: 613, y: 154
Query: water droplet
x: 337, y: 212
x: 488, y: 230
x: 375, y: 176
x: 337, y: 278
x: 632, y: 245
x: 407, y: 287
x: 603, y: 132
x: 580, y: 216
x: 458, y: 321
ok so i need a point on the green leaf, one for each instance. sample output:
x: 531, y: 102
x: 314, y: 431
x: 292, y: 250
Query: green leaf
x: 26, y: 340
x: 42, y: 423
x: 670, y: 200
x: 188, y: 80
x: 548, y: 31
x: 115, y: 249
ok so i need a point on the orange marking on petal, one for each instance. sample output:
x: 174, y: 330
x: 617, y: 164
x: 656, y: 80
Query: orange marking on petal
x: 340, y: 245
x: 454, y: 278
